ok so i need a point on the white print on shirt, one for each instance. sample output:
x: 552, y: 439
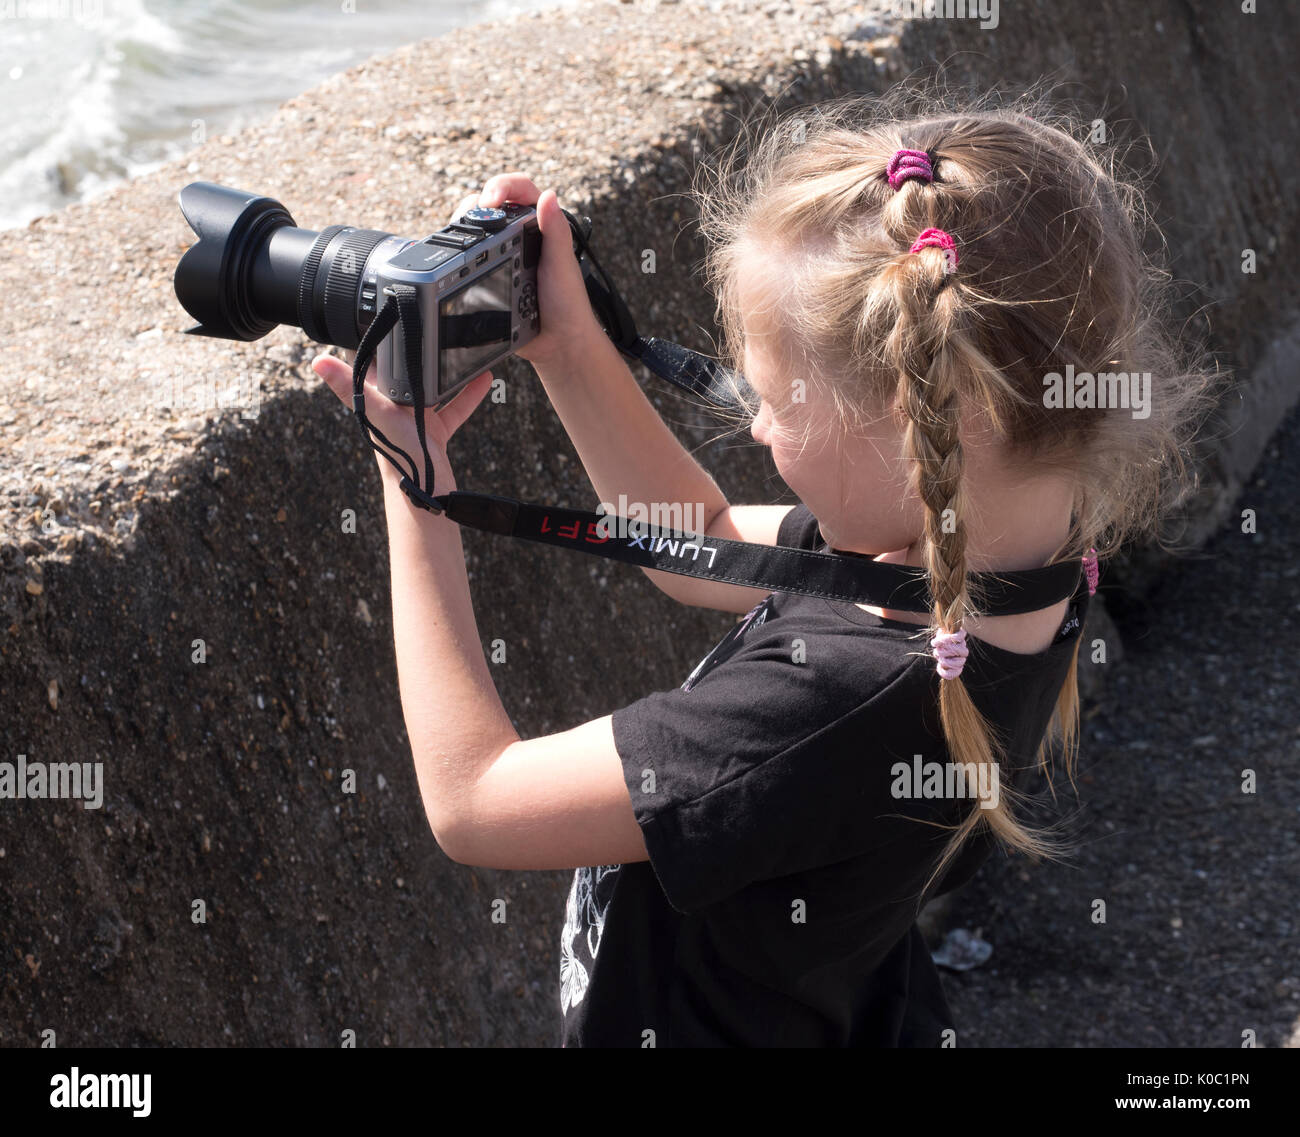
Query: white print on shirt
x: 593, y: 888
x: 584, y: 909
x: 757, y: 615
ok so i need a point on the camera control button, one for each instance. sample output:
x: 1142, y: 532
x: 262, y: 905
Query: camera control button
x: 489, y: 219
x: 528, y: 302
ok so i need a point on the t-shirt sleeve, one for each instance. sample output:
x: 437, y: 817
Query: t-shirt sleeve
x: 765, y: 767
x: 799, y: 529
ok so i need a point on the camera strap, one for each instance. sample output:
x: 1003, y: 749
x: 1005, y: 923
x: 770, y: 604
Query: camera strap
x: 855, y: 578
x: 705, y: 378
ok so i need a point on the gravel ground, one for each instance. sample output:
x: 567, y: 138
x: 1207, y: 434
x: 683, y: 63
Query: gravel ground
x: 1201, y: 940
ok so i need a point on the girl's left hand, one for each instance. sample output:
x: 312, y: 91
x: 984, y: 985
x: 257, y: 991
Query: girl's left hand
x: 397, y: 422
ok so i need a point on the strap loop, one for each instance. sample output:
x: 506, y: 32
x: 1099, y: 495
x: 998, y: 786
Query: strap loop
x: 403, y: 310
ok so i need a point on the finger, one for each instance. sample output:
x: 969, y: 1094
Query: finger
x: 513, y: 186
x: 338, y: 376
x: 469, y: 201
x: 465, y: 402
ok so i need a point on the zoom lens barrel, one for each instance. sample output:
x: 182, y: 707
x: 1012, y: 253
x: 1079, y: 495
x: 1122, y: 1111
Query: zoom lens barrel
x: 343, y: 263
x: 252, y: 268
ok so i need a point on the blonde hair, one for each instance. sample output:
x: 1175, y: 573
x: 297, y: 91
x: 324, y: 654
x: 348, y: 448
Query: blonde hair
x: 1050, y: 273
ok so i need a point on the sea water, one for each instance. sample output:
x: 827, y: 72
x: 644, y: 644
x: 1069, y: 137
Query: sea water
x: 96, y: 91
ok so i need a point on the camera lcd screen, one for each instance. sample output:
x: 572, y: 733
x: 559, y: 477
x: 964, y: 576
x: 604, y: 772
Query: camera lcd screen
x: 474, y: 326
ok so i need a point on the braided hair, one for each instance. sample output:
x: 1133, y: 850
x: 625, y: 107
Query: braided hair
x: 940, y: 259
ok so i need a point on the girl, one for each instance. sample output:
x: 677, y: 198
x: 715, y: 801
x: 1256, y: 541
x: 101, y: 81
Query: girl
x: 751, y: 850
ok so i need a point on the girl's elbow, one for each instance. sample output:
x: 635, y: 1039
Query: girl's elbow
x: 670, y: 585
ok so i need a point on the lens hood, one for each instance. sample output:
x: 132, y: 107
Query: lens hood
x: 213, y: 280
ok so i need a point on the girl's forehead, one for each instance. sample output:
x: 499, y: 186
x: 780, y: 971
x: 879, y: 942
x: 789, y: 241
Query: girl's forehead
x: 761, y: 364
x: 760, y: 291
x: 760, y: 325
x: 759, y: 279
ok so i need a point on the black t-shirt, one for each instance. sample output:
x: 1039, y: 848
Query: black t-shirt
x: 779, y: 903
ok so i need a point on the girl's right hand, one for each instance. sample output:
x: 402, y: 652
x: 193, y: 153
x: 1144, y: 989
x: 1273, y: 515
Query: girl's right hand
x: 568, y: 323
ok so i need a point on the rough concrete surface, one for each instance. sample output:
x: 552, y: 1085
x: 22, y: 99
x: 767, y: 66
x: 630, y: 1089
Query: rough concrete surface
x: 157, y: 490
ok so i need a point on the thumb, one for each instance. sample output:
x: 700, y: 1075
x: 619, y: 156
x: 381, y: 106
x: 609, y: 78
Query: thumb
x: 465, y: 401
x: 558, y: 260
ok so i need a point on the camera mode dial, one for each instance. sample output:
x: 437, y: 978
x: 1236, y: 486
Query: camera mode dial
x: 485, y: 218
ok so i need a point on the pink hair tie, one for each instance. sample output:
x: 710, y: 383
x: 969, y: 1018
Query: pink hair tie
x: 935, y: 238
x: 950, y: 650
x: 909, y: 164
x: 1092, y: 571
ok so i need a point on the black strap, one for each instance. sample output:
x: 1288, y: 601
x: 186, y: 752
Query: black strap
x: 692, y: 372
x: 772, y: 567
x: 408, y: 315
x: 403, y: 309
x: 380, y: 326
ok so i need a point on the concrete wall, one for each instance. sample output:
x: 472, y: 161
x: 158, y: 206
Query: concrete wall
x: 129, y: 531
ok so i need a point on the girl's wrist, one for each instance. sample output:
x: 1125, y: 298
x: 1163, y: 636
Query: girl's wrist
x: 570, y: 362
x: 391, y: 478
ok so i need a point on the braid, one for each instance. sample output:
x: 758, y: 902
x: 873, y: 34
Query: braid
x: 923, y: 349
x: 1052, y: 274
x: 928, y: 318
x: 933, y: 442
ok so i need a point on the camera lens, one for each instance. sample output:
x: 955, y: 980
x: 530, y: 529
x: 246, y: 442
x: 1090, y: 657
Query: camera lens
x: 252, y: 268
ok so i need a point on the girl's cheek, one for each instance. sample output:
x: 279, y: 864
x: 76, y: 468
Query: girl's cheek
x: 789, y: 432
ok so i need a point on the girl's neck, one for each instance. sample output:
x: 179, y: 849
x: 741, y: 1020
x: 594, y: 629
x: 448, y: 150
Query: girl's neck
x: 1034, y: 525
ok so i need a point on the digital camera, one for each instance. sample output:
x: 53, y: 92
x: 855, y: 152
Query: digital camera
x: 475, y: 280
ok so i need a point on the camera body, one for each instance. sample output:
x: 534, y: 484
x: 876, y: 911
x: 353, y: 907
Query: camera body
x: 476, y: 285
x: 475, y: 279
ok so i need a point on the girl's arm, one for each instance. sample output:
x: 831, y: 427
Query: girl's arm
x: 491, y: 798
x: 628, y: 450
x: 624, y: 445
